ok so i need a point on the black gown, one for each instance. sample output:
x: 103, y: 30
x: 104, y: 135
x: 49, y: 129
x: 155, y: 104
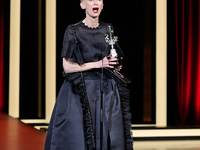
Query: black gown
x: 66, y: 129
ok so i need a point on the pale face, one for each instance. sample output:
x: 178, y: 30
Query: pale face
x: 92, y: 8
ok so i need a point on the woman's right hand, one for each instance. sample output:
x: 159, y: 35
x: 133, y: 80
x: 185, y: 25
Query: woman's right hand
x: 107, y: 62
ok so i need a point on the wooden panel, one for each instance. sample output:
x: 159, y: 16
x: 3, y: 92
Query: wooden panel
x: 14, y: 64
x: 161, y: 63
x: 50, y: 57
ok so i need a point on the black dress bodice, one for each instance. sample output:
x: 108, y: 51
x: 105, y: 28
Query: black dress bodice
x: 91, y: 42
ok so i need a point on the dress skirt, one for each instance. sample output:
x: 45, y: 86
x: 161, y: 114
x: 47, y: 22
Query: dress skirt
x: 66, y: 128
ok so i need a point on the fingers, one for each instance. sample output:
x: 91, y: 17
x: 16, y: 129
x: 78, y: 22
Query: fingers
x: 118, y: 68
x: 112, y: 64
x: 109, y: 62
x: 111, y: 58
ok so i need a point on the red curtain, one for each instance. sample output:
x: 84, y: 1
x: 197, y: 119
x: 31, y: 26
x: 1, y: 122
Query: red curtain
x: 187, y: 21
x: 1, y: 55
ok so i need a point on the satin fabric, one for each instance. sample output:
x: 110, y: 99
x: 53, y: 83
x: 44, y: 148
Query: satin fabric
x: 66, y: 128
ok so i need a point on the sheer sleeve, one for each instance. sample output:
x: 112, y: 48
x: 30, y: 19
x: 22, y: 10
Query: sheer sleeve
x: 70, y: 49
x: 68, y: 46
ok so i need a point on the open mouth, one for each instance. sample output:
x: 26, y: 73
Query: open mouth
x: 95, y: 9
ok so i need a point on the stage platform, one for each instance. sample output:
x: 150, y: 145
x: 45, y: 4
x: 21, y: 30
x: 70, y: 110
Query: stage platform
x: 15, y: 135
x: 165, y: 133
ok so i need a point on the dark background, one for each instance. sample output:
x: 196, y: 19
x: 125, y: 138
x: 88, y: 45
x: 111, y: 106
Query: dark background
x: 172, y: 97
x: 128, y: 20
x: 29, y: 60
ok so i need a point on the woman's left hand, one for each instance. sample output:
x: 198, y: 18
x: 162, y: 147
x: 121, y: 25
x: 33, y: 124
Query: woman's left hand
x: 118, y: 68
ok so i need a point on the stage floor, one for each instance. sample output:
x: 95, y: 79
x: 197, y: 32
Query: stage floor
x: 167, y: 145
x: 15, y: 135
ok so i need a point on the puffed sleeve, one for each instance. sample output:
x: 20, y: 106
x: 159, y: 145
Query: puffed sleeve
x: 68, y: 45
x: 70, y: 49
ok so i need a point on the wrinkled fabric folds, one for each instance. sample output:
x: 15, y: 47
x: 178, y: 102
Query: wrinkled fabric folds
x: 75, y: 121
x: 78, y: 84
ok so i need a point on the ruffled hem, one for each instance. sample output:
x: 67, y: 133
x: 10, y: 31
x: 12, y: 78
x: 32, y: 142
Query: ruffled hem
x: 78, y: 83
x: 125, y: 100
x: 126, y: 113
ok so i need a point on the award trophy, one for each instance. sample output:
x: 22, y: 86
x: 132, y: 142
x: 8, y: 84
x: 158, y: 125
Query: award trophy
x: 111, y: 40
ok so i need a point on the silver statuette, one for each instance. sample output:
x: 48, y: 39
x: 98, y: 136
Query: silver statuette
x: 111, y: 41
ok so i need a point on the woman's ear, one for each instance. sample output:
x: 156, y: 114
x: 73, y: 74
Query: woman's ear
x: 82, y: 4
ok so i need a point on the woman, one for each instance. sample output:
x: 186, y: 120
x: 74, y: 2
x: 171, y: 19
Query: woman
x: 75, y: 122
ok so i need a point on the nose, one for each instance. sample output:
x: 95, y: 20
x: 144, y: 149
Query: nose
x: 95, y: 2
